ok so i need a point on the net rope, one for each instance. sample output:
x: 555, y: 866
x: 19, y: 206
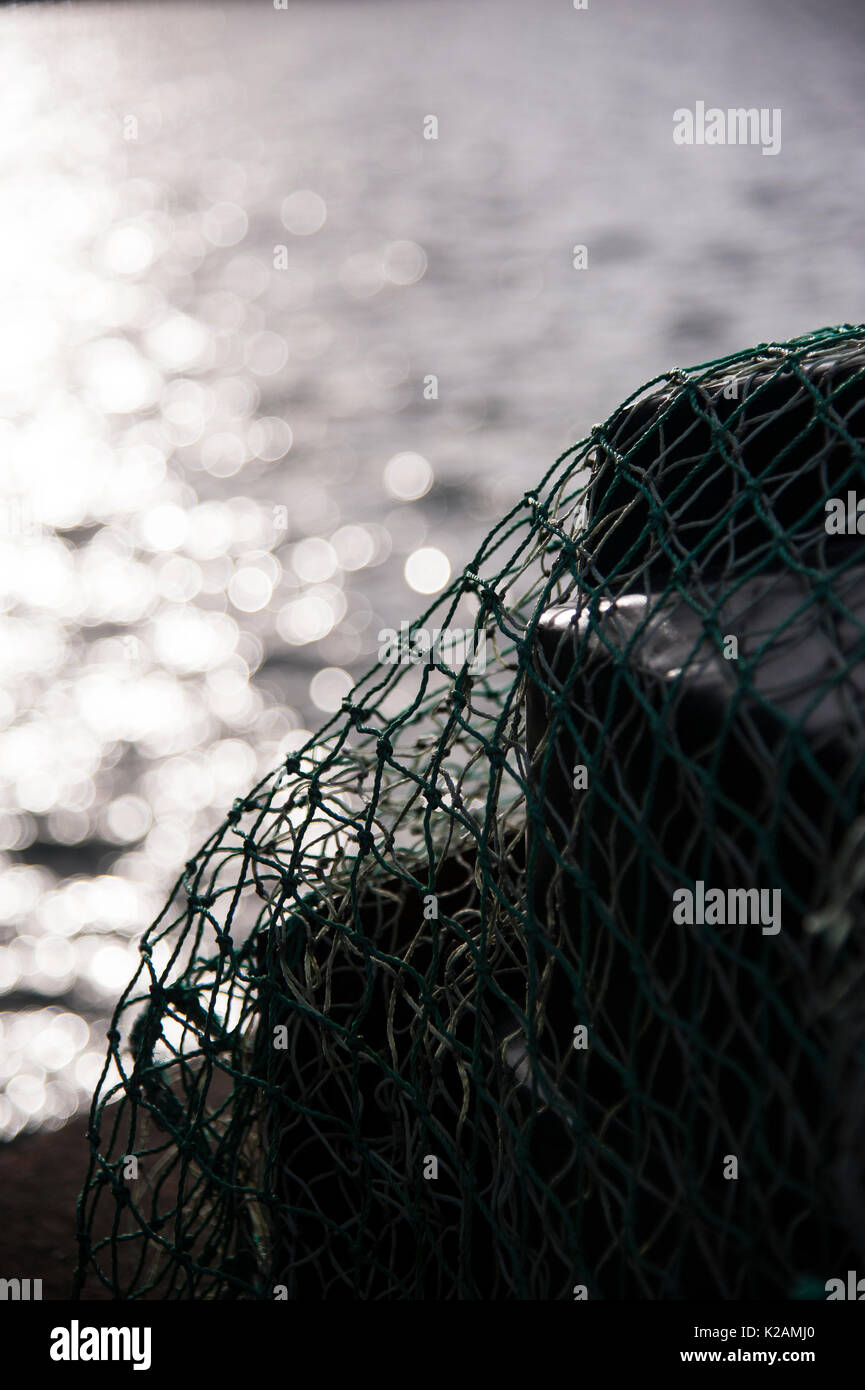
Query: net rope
x: 418, y: 1019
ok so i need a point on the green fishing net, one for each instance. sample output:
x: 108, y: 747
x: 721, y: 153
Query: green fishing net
x: 538, y: 972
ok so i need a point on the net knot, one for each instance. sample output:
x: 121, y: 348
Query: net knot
x: 485, y: 591
x: 200, y: 902
x: 539, y: 510
x: 356, y: 713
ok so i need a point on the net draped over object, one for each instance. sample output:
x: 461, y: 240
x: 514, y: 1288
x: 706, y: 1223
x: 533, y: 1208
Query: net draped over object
x: 418, y: 1021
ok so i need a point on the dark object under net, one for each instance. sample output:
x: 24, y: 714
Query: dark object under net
x: 541, y: 966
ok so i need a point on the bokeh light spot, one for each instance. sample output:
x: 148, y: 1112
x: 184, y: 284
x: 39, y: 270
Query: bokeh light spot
x: 303, y: 212
x: 408, y: 476
x: 427, y: 570
x: 328, y: 688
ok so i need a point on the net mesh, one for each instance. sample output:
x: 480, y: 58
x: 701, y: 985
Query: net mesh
x: 539, y: 970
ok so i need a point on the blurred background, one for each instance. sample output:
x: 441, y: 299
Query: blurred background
x: 272, y: 361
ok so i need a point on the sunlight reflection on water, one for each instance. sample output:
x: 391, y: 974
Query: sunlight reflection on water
x: 228, y: 265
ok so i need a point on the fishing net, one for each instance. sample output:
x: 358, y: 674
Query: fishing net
x: 539, y: 970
